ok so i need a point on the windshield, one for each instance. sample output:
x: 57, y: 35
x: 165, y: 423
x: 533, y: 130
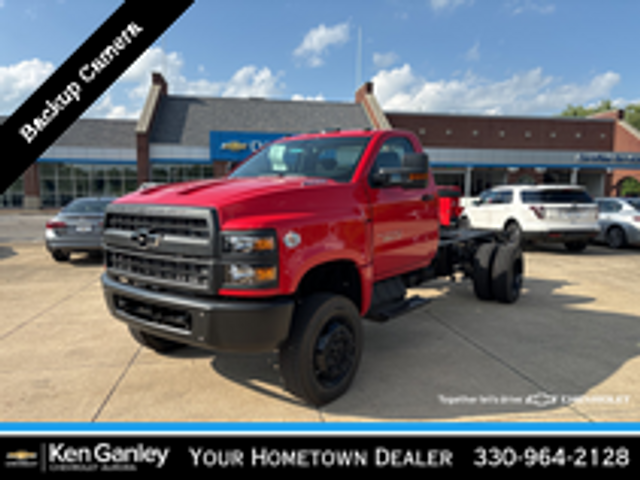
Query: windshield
x: 569, y: 195
x: 87, y: 206
x: 333, y: 158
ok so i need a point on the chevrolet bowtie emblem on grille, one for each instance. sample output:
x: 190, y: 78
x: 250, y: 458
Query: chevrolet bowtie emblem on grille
x: 146, y: 239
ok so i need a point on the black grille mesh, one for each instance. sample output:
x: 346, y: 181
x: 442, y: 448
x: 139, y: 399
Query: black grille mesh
x: 187, y: 273
x: 166, y: 225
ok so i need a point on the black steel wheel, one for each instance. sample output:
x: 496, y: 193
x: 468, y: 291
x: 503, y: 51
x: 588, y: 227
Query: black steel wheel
x: 321, y: 356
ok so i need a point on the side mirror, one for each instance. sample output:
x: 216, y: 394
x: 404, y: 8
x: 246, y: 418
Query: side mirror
x: 413, y: 173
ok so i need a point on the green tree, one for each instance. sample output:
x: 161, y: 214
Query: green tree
x: 631, y: 116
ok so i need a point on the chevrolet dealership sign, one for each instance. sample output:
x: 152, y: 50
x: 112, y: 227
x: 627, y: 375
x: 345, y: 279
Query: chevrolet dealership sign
x: 236, y: 146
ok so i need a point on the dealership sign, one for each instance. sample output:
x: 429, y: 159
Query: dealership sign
x: 236, y: 146
x: 609, y: 158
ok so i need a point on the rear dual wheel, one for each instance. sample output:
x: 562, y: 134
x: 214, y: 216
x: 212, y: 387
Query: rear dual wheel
x: 498, y: 272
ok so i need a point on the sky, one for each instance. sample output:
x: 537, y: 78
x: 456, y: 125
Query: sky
x: 489, y: 57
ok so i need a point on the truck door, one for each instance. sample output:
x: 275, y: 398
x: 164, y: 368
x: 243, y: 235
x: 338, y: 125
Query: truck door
x: 405, y: 225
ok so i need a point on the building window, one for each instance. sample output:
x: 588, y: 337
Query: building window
x: 552, y: 135
x: 172, y: 173
x: 527, y: 134
x: 449, y: 131
x: 62, y: 182
x: 13, y: 196
x: 502, y: 133
x: 422, y: 131
x: 578, y: 135
x: 475, y: 133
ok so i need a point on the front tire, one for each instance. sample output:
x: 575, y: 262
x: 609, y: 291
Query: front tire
x: 321, y: 356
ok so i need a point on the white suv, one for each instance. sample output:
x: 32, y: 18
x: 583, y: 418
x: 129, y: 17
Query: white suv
x: 550, y: 213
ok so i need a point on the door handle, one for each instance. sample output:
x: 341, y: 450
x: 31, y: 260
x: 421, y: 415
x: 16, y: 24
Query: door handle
x: 427, y: 197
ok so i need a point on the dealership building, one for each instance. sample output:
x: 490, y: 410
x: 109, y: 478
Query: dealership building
x: 179, y: 138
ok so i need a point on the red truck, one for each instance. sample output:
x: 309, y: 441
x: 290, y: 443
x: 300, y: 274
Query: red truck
x: 290, y: 251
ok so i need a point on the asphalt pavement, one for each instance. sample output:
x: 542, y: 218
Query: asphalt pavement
x: 569, y: 350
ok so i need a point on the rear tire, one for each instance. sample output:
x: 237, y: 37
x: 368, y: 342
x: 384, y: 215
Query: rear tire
x: 575, y: 246
x: 482, y: 267
x: 320, y: 358
x: 60, y: 256
x: 160, y: 345
x: 513, y: 233
x: 616, y: 238
x: 508, y: 272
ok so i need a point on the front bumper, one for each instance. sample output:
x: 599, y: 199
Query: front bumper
x: 222, y: 325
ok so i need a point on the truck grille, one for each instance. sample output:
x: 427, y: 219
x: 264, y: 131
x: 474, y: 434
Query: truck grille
x: 156, y: 245
x: 166, y: 225
x: 187, y: 273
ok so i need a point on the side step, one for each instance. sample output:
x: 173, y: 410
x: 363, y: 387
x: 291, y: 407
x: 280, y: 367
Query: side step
x: 388, y: 311
x: 389, y: 300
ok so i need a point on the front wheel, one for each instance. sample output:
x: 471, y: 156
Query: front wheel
x: 320, y: 358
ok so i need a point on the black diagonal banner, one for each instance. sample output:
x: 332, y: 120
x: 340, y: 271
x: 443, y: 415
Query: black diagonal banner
x: 80, y: 81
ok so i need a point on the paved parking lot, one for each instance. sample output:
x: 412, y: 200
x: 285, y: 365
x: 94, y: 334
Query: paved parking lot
x: 569, y: 350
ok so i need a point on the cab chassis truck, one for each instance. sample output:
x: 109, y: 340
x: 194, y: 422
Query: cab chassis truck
x: 291, y: 251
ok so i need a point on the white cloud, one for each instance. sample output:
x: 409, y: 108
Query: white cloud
x: 385, y: 60
x: 318, y: 40
x: 525, y: 93
x: 1, y: 3
x: 440, y: 5
x: 248, y: 81
x: 296, y: 97
x: 19, y: 80
x: 522, y: 6
x: 473, y: 54
x: 105, y: 108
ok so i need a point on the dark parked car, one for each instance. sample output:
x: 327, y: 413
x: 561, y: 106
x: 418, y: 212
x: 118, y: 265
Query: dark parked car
x: 76, y: 228
x: 619, y: 220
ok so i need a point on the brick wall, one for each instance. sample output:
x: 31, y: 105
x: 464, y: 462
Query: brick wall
x: 454, y: 131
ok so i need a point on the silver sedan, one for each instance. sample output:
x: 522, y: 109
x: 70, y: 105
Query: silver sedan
x: 619, y: 220
x: 76, y: 228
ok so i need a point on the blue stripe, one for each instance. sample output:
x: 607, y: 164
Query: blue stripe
x: 188, y: 161
x: 88, y: 161
x: 266, y: 427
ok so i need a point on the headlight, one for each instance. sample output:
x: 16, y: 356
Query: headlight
x: 250, y: 275
x: 249, y: 243
x: 250, y: 259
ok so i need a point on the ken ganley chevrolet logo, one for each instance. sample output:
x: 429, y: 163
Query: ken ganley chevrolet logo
x: 21, y: 459
x: 61, y: 457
